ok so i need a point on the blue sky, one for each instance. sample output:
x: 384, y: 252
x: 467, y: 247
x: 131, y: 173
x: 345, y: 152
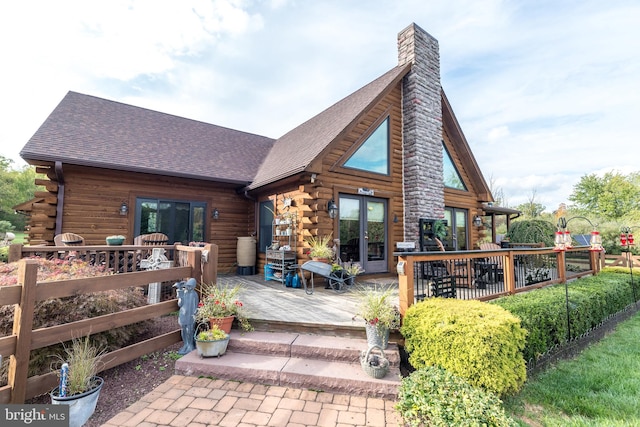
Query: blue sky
x: 545, y: 91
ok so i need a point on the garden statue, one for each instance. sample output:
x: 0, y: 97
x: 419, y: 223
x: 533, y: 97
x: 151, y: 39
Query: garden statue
x: 188, y: 303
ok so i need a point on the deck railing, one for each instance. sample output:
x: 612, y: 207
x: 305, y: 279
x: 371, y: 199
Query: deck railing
x: 485, y: 275
x: 25, y: 294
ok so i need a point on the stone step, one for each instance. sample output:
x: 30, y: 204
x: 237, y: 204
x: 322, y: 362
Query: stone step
x: 307, y: 346
x: 320, y: 363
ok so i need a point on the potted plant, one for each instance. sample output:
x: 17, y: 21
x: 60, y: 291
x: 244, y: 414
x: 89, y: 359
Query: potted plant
x: 319, y: 248
x: 353, y: 269
x: 379, y: 313
x: 212, y: 342
x: 116, y: 240
x: 79, y: 385
x: 220, y: 305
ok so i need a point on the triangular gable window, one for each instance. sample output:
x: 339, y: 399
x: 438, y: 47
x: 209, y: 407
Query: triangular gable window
x: 451, y: 176
x: 373, y: 154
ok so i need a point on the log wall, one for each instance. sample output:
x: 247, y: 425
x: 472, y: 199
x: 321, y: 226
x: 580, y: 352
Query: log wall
x: 93, y: 196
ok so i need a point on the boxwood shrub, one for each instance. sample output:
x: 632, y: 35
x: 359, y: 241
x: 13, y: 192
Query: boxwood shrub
x: 480, y: 342
x: 432, y: 396
x: 543, y: 312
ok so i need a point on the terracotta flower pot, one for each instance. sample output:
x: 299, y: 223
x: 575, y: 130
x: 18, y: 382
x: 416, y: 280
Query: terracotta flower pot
x: 223, y: 323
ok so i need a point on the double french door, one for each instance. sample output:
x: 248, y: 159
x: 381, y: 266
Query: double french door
x: 363, y: 232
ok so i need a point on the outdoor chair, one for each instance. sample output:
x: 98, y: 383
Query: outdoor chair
x: 68, y: 239
x: 154, y: 239
x: 497, y: 260
x: 460, y: 270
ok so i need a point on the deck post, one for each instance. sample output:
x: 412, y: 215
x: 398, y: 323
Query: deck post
x: 509, y: 275
x: 210, y: 265
x: 561, y: 262
x: 405, y: 283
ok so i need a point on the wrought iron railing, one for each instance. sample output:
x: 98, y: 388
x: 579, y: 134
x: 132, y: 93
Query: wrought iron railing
x: 488, y: 274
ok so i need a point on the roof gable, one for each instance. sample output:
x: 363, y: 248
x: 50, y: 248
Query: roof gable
x: 90, y: 131
x: 304, y: 144
x: 459, y: 141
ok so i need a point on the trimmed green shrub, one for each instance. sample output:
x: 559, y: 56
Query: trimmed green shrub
x: 480, y: 342
x: 543, y: 312
x: 432, y: 396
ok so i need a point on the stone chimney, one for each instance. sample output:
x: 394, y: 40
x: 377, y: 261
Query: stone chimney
x: 421, y: 129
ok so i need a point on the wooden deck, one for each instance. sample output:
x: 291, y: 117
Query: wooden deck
x: 272, y: 306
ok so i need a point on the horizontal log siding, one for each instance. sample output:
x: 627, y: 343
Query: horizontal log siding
x: 93, y: 198
x: 334, y: 180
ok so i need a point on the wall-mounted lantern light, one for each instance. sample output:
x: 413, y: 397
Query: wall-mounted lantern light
x: 124, y: 208
x: 332, y: 208
x: 215, y: 213
x: 477, y: 221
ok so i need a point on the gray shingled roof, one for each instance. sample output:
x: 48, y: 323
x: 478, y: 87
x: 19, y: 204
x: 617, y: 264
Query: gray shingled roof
x: 293, y: 152
x: 90, y: 131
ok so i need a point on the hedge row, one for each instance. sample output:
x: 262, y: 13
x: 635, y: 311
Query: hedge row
x: 543, y: 312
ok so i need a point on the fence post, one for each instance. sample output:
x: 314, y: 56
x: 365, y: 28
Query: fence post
x: 15, y: 252
x: 405, y: 283
x: 22, y: 327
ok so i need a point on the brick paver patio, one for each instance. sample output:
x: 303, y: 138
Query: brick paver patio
x: 201, y: 402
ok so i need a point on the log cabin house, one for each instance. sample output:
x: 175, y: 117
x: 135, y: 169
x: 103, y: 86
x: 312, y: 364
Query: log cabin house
x: 366, y: 170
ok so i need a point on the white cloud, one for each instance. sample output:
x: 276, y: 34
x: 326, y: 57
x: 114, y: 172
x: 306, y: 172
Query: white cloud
x: 545, y: 92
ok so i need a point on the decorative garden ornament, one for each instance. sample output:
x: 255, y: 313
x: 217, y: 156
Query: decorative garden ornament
x: 188, y: 303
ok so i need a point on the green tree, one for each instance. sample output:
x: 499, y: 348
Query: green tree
x: 610, y: 197
x: 16, y: 186
x: 531, y: 208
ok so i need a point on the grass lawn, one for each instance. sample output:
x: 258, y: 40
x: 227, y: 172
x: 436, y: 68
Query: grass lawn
x: 19, y: 237
x: 600, y: 387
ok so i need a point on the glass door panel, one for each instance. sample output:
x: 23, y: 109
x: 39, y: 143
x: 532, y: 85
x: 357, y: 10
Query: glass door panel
x: 457, y: 232
x: 363, y: 232
x: 349, y: 212
x: 375, y: 232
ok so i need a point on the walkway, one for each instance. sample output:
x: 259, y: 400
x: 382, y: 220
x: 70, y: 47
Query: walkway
x: 200, y: 402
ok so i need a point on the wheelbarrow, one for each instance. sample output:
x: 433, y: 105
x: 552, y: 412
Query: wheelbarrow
x: 338, y: 280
